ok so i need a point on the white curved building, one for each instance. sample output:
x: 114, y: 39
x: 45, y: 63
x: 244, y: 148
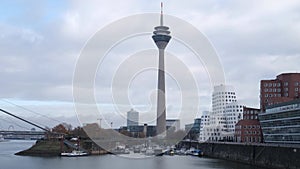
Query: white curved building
x: 233, y: 113
x: 223, y: 96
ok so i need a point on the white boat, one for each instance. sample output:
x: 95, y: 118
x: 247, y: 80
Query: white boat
x: 158, y: 151
x: 1, y: 138
x: 74, y: 153
x: 149, y: 151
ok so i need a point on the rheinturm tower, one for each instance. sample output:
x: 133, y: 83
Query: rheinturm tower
x: 161, y: 38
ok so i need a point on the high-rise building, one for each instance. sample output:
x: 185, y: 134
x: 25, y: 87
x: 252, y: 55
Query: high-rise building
x: 132, y: 118
x: 285, y: 87
x: 221, y: 97
x: 161, y: 38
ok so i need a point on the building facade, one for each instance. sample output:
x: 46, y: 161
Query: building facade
x: 248, y: 130
x: 139, y: 131
x: 193, y: 129
x: 203, y: 124
x: 233, y: 114
x: 132, y: 118
x: 285, y: 87
x: 221, y: 97
x: 173, y: 124
x: 281, y: 123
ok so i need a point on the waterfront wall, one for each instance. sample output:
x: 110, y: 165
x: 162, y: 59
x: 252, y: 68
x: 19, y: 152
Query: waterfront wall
x: 268, y: 156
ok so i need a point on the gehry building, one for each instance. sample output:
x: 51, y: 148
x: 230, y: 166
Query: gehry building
x: 226, y: 112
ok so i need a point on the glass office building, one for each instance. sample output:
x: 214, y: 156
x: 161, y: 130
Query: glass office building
x: 281, y: 123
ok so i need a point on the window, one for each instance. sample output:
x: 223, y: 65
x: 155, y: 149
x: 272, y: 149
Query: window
x: 266, y: 90
x: 270, y: 84
x: 278, y: 85
x: 265, y: 84
x: 274, y: 84
x: 296, y: 89
x: 286, y: 89
x: 296, y: 83
x: 286, y: 83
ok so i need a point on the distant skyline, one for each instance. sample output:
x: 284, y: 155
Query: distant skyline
x: 40, y: 42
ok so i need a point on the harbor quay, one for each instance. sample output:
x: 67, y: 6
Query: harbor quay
x: 273, y: 156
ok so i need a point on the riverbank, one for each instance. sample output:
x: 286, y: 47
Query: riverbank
x: 43, y: 148
x: 53, y: 148
x: 262, y: 155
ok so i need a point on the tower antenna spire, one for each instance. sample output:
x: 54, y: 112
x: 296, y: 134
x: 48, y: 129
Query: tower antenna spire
x: 161, y: 14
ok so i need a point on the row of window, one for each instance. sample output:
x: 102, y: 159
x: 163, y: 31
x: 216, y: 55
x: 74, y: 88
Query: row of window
x: 296, y: 89
x: 219, y: 93
x: 272, y: 90
x: 222, y: 102
x: 250, y: 117
x: 215, y: 103
x: 248, y: 126
x: 252, y: 139
x: 276, y: 95
x: 234, y: 106
x: 280, y: 115
x: 234, y: 110
x: 251, y: 112
x: 277, y: 123
x: 272, y: 85
x: 278, y: 84
x: 230, y: 122
x: 226, y: 96
x: 290, y: 107
x: 247, y: 132
x: 282, y: 138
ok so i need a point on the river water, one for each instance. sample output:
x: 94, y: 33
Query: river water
x: 10, y: 161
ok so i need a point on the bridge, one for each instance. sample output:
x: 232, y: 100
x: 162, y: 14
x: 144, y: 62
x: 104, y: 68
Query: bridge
x: 23, y: 135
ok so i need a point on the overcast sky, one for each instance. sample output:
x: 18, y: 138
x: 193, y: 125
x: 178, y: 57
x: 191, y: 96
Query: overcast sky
x: 40, y: 42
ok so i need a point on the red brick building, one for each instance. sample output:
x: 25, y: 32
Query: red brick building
x: 285, y: 87
x: 249, y: 130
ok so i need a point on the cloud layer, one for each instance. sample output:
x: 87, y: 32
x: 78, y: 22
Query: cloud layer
x: 40, y: 43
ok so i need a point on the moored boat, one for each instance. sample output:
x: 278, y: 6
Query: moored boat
x: 74, y: 153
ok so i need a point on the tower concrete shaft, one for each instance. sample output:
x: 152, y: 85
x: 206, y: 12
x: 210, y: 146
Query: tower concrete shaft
x: 161, y: 38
